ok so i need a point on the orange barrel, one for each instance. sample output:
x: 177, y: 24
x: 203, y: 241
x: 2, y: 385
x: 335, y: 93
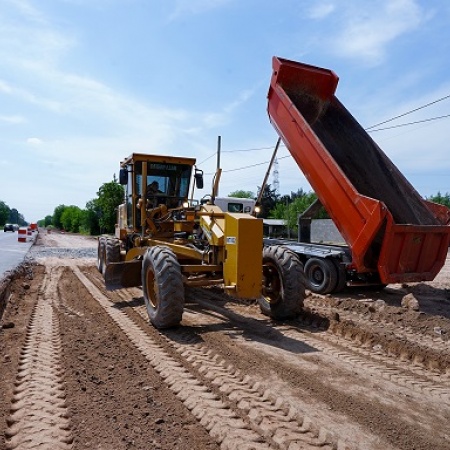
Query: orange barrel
x: 29, y: 232
x: 22, y: 236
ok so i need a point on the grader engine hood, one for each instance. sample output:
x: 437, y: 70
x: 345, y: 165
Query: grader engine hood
x: 243, y: 255
x: 239, y: 237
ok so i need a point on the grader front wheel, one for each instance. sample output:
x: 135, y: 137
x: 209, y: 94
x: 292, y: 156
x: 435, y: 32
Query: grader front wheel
x: 162, y: 287
x: 283, y: 283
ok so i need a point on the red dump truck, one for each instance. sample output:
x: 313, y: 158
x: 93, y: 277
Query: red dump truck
x: 393, y: 235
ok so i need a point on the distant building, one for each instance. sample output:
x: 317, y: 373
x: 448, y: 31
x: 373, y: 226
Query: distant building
x: 274, y: 228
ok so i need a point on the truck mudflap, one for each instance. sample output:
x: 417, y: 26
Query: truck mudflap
x: 120, y: 275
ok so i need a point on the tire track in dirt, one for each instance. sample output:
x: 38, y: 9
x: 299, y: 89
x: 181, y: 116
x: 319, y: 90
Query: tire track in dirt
x: 423, y: 391
x: 365, y: 361
x: 402, y: 373
x: 369, y: 360
x: 271, y: 414
x: 39, y: 417
x: 222, y: 423
x: 225, y: 318
x: 322, y: 306
x: 273, y: 417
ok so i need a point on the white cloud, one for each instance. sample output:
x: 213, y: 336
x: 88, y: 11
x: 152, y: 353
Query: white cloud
x: 26, y: 9
x: 5, y: 87
x: 321, y: 10
x: 14, y: 120
x: 367, y: 33
x: 34, y: 141
x: 216, y: 119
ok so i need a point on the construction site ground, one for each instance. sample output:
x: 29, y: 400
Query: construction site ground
x: 82, y: 368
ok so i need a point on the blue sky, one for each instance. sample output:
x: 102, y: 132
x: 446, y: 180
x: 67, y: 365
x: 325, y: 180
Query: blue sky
x: 85, y: 83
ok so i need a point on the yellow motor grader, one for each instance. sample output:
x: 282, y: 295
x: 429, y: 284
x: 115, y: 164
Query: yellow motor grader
x: 163, y: 242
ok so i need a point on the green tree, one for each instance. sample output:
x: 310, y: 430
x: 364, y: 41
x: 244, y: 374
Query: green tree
x: 110, y: 196
x: 91, y: 218
x: 441, y: 199
x: 57, y: 213
x: 241, y: 194
x: 4, y: 213
x: 14, y: 216
x: 290, y: 210
x: 268, y: 201
x: 71, y: 218
x: 48, y: 221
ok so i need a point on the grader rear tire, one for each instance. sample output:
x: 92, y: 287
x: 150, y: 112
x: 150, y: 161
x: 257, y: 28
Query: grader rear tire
x: 162, y: 287
x: 112, y: 251
x: 101, y: 254
x: 283, y: 283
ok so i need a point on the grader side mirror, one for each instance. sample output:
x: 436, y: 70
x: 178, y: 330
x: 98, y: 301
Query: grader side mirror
x: 198, y: 177
x: 123, y: 177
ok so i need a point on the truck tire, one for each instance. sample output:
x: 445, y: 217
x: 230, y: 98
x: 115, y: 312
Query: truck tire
x: 283, y: 283
x: 321, y: 275
x: 162, y: 287
x: 341, y: 276
x: 101, y: 254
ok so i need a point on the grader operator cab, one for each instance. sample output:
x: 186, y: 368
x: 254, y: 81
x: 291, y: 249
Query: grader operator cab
x: 163, y: 243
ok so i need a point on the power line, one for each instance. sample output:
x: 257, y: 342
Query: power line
x: 248, y: 150
x: 209, y: 157
x: 248, y: 167
x: 411, y: 123
x: 409, y: 112
x: 368, y: 129
x: 236, y: 151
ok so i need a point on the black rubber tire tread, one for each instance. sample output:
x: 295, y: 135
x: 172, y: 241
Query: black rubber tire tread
x: 112, y: 250
x: 329, y: 271
x: 167, y: 287
x: 341, y: 276
x: 101, y: 250
x: 288, y: 301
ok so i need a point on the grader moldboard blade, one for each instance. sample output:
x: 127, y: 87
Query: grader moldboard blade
x: 123, y: 275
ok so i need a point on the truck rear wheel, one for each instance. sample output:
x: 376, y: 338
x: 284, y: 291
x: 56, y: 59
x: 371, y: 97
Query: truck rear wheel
x: 162, y: 287
x: 321, y: 275
x: 341, y: 276
x: 101, y: 256
x: 283, y: 283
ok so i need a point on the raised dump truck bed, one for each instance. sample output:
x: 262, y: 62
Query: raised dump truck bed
x: 390, y: 229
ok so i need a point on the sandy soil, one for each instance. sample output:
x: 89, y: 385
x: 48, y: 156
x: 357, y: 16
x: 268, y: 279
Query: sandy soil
x: 82, y: 367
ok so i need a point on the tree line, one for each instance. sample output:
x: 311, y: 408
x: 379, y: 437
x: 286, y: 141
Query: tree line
x: 10, y: 215
x: 288, y: 207
x: 99, y: 215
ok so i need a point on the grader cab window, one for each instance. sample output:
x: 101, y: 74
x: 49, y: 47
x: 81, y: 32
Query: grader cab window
x: 171, y: 179
x: 166, y: 183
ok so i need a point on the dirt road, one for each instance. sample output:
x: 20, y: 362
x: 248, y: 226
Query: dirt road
x: 81, y: 367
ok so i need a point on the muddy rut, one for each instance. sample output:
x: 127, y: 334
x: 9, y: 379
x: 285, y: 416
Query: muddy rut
x: 83, y: 368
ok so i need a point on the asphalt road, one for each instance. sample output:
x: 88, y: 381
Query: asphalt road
x: 12, y: 252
